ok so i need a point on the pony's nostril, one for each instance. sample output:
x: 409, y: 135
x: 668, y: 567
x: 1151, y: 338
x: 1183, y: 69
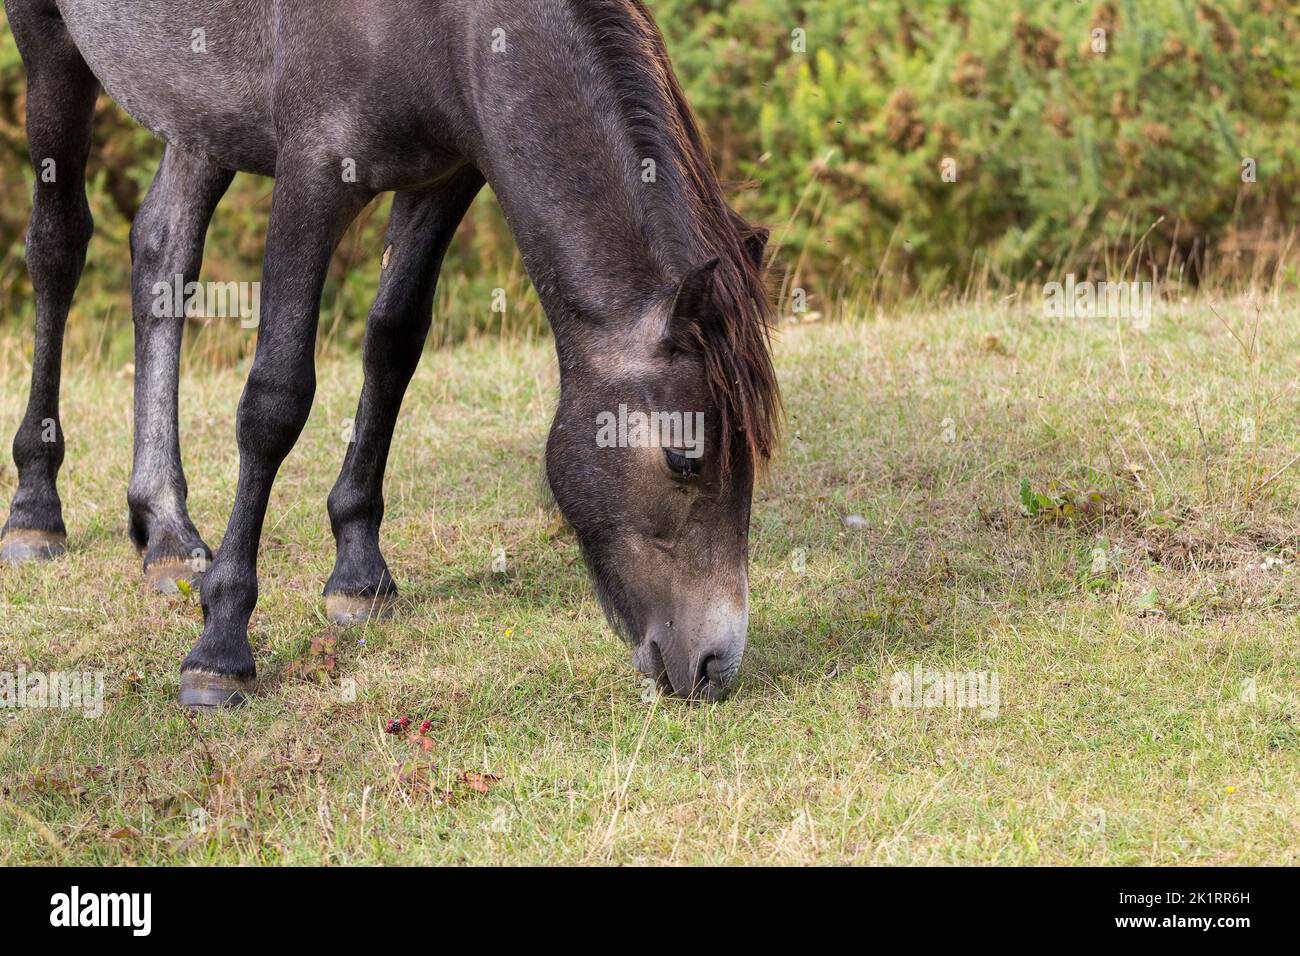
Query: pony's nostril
x: 712, y: 678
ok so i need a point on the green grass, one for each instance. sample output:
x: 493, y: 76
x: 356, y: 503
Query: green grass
x: 1127, y: 730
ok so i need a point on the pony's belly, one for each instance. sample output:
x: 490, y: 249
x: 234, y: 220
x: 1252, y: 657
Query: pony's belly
x: 229, y: 138
x: 195, y: 73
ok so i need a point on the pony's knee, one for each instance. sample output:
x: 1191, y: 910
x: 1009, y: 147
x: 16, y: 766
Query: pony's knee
x: 39, y: 441
x: 272, y: 414
x: 350, y: 504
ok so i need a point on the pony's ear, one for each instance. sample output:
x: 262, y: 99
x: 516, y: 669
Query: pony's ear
x: 756, y: 245
x: 695, y: 294
x: 691, y: 306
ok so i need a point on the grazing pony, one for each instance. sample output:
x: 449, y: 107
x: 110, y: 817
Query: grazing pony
x: 569, y: 109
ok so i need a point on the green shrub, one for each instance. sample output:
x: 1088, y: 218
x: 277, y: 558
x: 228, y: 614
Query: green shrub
x: 1062, y: 152
x: 1067, y: 157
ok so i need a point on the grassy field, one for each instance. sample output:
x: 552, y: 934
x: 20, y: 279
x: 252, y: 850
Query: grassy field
x: 1103, y: 518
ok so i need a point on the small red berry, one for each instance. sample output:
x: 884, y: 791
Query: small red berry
x: 424, y: 727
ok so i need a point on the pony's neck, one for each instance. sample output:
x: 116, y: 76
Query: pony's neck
x: 592, y: 161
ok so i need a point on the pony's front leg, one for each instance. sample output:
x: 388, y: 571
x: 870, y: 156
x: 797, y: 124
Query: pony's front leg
x: 310, y: 209
x: 166, y: 254
x: 419, y: 231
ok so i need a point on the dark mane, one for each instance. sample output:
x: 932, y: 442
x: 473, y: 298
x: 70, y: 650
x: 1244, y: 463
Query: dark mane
x: 736, y: 342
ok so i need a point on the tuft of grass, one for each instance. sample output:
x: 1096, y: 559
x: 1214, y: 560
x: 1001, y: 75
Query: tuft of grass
x: 1145, y: 647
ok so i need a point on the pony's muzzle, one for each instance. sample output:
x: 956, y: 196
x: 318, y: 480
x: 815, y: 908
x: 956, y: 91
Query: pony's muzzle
x: 699, y: 658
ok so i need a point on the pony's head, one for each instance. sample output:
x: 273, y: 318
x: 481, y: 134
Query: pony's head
x: 662, y: 428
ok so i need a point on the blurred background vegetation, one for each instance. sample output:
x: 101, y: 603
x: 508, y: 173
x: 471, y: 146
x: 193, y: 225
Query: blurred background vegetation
x: 1098, y: 138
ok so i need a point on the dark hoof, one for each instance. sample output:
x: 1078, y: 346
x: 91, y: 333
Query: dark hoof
x: 21, y: 546
x: 349, y: 609
x: 163, y: 574
x: 206, y: 690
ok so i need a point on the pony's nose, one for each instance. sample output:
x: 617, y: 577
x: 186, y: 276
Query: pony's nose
x: 717, y: 662
x: 713, y: 679
x: 695, y: 656
x: 716, y: 652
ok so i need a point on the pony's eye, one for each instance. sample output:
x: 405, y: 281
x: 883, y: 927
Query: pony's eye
x: 681, y: 466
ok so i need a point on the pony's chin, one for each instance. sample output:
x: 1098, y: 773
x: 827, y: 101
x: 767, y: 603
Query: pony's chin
x: 649, y: 660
